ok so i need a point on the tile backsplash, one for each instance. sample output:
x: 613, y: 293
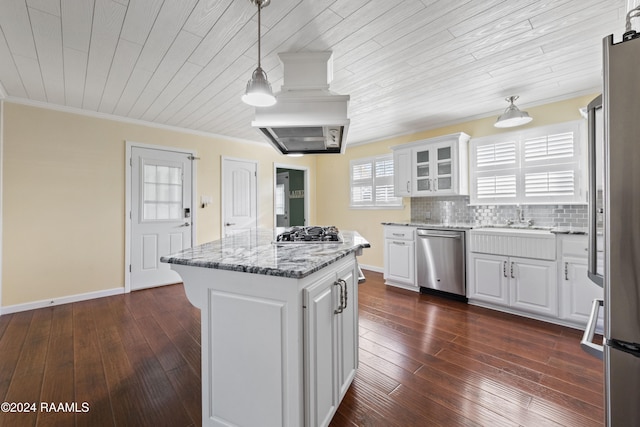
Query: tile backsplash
x: 455, y: 209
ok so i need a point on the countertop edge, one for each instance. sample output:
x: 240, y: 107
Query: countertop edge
x: 554, y: 230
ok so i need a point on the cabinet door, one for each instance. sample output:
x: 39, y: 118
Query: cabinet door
x: 321, y: 355
x: 422, y: 172
x: 489, y: 278
x: 399, y: 266
x: 443, y: 166
x: 533, y: 286
x: 577, y: 291
x: 402, y: 173
x: 348, y: 331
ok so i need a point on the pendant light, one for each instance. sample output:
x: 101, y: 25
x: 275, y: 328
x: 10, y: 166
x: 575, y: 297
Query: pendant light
x: 258, y: 91
x: 512, y: 116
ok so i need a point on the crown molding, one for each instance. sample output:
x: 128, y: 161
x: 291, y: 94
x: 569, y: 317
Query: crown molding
x: 112, y: 117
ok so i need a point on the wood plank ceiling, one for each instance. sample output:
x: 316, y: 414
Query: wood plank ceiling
x: 408, y: 65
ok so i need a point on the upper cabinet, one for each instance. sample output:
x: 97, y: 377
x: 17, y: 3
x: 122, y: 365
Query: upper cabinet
x: 432, y: 167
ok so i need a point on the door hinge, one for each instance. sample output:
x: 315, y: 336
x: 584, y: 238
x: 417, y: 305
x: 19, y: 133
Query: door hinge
x: 130, y: 161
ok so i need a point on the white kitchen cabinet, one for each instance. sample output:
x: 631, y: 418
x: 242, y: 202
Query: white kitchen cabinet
x: 489, y: 279
x: 514, y: 269
x: 400, y: 257
x: 520, y: 283
x: 432, y: 167
x: 577, y: 291
x: 402, y: 172
x: 533, y: 286
x: 331, y: 344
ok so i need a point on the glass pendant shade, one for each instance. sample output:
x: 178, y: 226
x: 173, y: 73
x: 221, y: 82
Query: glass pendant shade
x: 258, y: 91
x: 512, y: 116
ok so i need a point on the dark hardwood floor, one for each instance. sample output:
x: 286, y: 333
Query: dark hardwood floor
x: 424, y: 361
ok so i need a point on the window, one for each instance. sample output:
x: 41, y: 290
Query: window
x: 162, y: 193
x: 536, y: 166
x: 372, y: 183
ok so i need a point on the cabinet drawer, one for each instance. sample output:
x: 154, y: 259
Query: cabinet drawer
x: 399, y: 233
x: 575, y: 247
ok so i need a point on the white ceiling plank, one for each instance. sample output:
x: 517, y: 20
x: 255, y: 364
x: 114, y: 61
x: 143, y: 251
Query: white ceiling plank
x: 295, y: 23
x: 320, y: 24
x: 139, y: 20
x: 47, y: 34
x: 136, y: 84
x: 29, y: 70
x: 206, y: 94
x: 124, y: 60
x: 170, y: 20
x: 9, y: 75
x: 108, y: 18
x: 205, y: 15
x: 75, y: 72
x: 15, y: 24
x: 48, y: 6
x: 230, y: 25
x: 77, y: 16
x: 345, y: 8
x: 495, y: 16
x: 172, y: 89
x: 177, y: 54
x: 363, y: 35
x: 143, y: 102
x: 361, y: 17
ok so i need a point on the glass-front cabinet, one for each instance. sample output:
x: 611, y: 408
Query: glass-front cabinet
x: 438, y: 166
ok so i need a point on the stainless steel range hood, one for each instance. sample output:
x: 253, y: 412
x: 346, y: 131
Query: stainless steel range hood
x: 308, y: 118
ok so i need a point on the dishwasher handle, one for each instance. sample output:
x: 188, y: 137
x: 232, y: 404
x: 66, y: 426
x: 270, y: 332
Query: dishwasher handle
x: 431, y: 233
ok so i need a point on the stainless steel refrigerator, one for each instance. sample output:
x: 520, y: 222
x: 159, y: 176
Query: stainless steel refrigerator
x: 614, y: 232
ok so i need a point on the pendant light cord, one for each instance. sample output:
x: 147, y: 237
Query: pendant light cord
x: 259, y: 24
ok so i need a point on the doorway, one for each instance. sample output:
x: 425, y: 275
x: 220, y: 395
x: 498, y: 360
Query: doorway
x: 290, y: 196
x: 239, y: 195
x: 160, y: 187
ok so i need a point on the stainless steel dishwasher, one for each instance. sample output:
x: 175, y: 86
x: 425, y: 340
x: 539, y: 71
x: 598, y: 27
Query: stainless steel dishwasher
x: 440, y: 262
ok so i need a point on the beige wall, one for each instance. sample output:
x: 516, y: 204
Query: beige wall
x: 64, y: 197
x: 64, y: 193
x: 333, y: 174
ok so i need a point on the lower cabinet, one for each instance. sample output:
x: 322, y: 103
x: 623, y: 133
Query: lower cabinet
x: 400, y: 257
x: 331, y: 343
x: 577, y: 291
x: 524, y: 284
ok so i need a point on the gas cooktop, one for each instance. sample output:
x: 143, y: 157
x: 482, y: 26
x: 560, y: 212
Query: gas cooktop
x: 313, y: 234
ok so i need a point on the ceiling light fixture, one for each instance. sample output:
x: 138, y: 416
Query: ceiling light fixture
x: 512, y: 116
x: 258, y: 91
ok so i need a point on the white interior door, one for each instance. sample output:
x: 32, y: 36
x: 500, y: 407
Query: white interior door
x: 161, y: 213
x: 239, y: 195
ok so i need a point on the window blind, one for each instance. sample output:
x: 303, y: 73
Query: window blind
x: 372, y: 182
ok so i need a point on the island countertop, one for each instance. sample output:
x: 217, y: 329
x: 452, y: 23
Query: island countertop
x: 255, y: 252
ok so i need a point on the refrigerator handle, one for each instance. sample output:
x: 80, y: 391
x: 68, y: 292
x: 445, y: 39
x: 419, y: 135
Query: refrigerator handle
x: 587, y: 343
x: 592, y: 257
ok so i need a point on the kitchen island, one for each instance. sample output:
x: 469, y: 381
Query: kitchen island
x: 279, y: 326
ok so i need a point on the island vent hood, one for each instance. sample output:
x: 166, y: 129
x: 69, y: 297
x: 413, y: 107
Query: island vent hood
x: 307, y: 118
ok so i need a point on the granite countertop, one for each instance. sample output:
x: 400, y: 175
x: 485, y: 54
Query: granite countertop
x: 254, y: 252
x: 468, y: 226
x: 452, y: 226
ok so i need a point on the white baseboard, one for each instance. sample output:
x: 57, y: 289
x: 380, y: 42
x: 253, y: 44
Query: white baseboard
x: 58, y: 301
x: 372, y: 268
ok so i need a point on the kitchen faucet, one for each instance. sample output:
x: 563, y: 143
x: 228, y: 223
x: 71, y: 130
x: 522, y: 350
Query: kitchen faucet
x: 519, y: 218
